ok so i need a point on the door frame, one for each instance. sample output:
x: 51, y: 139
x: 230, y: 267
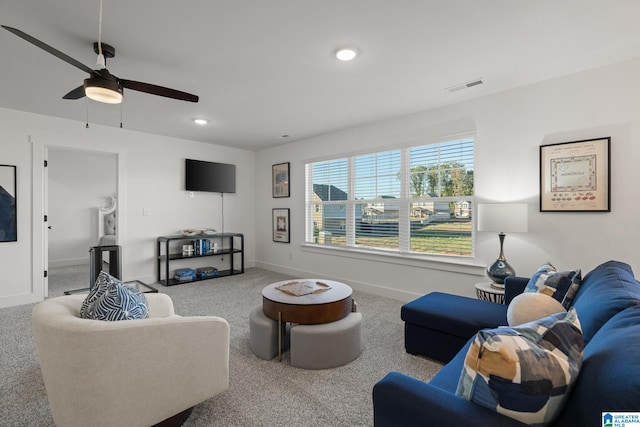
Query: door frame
x: 39, y: 207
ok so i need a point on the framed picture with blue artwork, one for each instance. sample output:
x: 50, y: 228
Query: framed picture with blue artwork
x: 280, y: 180
x: 8, y: 216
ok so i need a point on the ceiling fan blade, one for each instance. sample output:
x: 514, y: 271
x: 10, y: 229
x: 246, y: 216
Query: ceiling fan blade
x: 55, y: 52
x: 76, y: 93
x: 158, y: 90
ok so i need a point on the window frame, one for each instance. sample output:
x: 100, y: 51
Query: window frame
x: 406, y: 200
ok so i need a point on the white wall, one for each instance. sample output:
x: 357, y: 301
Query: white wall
x: 151, y: 175
x: 510, y: 128
x: 79, y: 182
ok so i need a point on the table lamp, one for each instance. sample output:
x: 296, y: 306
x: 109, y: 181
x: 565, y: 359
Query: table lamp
x: 502, y: 217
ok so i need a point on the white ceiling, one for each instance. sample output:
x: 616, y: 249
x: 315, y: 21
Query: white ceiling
x: 264, y: 69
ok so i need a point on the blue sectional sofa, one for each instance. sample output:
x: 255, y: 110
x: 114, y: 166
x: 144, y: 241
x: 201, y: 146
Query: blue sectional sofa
x: 442, y: 326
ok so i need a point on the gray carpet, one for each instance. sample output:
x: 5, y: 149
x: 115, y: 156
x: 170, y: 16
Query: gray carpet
x: 261, y: 393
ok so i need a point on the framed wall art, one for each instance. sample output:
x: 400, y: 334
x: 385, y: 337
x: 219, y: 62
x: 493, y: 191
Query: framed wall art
x: 574, y: 176
x: 8, y: 212
x: 280, y: 180
x: 281, y: 231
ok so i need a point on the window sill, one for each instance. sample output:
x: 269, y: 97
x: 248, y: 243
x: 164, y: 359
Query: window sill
x: 431, y: 262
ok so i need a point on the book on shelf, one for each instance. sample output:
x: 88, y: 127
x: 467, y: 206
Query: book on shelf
x: 202, y: 246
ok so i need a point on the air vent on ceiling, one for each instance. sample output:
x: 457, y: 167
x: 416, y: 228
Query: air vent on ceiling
x: 466, y: 85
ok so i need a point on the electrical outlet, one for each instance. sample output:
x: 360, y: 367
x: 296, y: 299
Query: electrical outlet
x: 191, y: 194
x: 146, y: 212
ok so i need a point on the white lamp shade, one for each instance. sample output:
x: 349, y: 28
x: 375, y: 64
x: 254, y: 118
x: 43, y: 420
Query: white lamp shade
x: 502, y: 217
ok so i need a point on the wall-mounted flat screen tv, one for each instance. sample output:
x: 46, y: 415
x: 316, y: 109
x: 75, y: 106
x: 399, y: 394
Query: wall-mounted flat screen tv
x: 210, y: 176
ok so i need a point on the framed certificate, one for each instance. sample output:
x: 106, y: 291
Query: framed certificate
x: 574, y: 176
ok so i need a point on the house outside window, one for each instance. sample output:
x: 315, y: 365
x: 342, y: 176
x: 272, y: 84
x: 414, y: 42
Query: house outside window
x: 412, y: 200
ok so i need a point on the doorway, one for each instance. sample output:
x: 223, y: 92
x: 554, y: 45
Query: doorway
x: 77, y: 184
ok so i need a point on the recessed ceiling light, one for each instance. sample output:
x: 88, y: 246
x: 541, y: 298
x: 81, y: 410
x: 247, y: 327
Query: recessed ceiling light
x: 200, y: 121
x: 346, y: 54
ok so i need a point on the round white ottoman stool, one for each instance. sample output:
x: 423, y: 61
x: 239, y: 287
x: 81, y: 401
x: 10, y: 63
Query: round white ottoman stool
x: 327, y: 345
x: 263, y: 335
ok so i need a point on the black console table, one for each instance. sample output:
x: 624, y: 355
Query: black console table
x: 230, y: 246
x: 96, y: 265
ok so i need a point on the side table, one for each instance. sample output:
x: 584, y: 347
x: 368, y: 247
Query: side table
x: 487, y: 292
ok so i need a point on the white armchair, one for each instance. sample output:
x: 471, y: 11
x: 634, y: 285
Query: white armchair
x: 131, y: 372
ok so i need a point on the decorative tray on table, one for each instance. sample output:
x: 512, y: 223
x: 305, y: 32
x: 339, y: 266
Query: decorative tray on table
x: 303, y: 287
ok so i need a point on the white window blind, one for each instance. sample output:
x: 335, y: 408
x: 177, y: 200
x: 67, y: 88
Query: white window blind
x: 412, y: 200
x: 441, y: 189
x: 327, y: 194
x: 377, y: 185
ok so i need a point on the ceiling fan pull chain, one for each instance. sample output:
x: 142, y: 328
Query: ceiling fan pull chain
x: 86, y: 104
x: 121, y: 115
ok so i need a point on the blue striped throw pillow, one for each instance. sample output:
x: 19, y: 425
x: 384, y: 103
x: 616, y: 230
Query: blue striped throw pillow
x: 110, y: 299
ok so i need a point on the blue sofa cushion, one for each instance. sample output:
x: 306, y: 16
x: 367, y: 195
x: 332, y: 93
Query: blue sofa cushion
x: 560, y: 285
x: 454, y: 314
x: 402, y: 401
x: 448, y: 377
x: 605, y: 291
x: 524, y: 372
x: 610, y: 376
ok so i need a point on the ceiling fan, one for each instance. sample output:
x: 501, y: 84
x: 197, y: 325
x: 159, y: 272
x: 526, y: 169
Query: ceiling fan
x: 101, y: 85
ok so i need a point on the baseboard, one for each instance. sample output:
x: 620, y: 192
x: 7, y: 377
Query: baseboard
x: 15, y: 300
x: 381, y: 291
x: 68, y: 262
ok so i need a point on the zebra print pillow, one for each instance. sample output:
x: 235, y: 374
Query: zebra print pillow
x: 110, y: 299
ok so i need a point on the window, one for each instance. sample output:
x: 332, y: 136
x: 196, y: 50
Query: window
x: 411, y: 200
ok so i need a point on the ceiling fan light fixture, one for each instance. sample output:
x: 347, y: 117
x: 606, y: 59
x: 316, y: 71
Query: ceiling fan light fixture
x: 103, y: 90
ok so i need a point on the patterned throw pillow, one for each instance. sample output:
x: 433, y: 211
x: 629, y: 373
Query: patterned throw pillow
x: 524, y: 372
x: 110, y: 299
x: 562, y: 286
